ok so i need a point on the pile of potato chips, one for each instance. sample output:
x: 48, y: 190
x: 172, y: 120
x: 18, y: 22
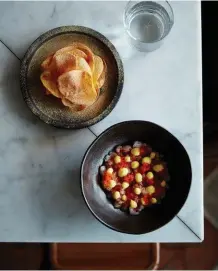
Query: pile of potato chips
x: 75, y: 75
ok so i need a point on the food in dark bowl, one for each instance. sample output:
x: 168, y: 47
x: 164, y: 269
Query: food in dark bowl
x: 174, y: 159
x: 134, y: 177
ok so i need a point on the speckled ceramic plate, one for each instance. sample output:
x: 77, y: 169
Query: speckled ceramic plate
x: 50, y: 109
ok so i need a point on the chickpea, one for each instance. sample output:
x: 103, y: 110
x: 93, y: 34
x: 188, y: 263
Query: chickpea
x: 133, y: 204
x: 127, y: 158
x: 117, y: 159
x: 150, y: 189
x: 112, y: 184
x: 135, y: 151
x: 110, y: 170
x: 158, y: 168
x: 150, y: 175
x: 135, y: 164
x: 146, y: 160
x: 123, y: 172
x: 137, y: 191
x: 124, y: 197
x: 153, y: 200
x: 116, y: 195
x: 138, y: 177
x: 125, y: 185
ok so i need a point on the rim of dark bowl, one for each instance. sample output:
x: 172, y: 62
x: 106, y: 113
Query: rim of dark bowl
x: 81, y: 174
x: 55, y: 32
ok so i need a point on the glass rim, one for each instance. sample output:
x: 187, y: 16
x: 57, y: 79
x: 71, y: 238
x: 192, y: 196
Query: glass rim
x: 142, y: 42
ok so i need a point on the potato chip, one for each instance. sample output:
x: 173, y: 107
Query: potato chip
x: 64, y: 63
x: 47, y: 62
x: 87, y: 51
x: 98, y: 68
x: 81, y: 64
x: 50, y: 84
x: 72, y: 50
x: 75, y: 75
x: 73, y: 107
x: 79, y: 50
x: 99, y: 72
x: 77, y: 87
x: 101, y: 79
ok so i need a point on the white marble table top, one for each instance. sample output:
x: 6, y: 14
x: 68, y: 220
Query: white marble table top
x: 40, y: 197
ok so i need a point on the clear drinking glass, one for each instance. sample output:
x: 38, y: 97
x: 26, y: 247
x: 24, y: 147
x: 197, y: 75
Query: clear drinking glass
x: 147, y: 23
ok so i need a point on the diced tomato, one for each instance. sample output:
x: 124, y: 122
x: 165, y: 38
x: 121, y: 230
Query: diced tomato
x: 130, y: 194
x: 143, y: 150
x: 150, y: 181
x: 124, y: 163
x: 118, y: 187
x: 146, y: 199
x: 144, y: 168
x: 129, y: 178
x: 107, y: 176
x: 116, y: 167
x: 121, y: 165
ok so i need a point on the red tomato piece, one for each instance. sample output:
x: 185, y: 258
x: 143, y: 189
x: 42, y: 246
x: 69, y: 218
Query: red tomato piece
x: 107, y: 176
x: 129, y: 178
x: 144, y: 168
x: 143, y: 150
x: 116, y: 167
x: 118, y: 187
x: 130, y: 194
x: 121, y: 165
x: 146, y: 199
x: 150, y: 181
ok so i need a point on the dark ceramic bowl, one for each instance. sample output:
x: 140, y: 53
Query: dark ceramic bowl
x: 151, y: 218
x: 50, y: 109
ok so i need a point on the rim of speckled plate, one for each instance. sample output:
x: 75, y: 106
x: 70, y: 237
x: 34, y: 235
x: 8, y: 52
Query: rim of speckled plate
x: 38, y: 43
